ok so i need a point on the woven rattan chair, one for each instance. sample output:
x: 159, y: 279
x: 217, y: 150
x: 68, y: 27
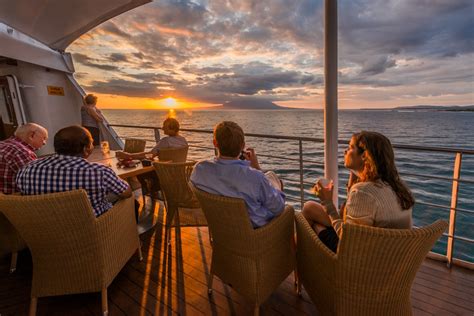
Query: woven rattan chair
x: 182, y: 207
x: 173, y: 154
x: 10, y: 241
x: 149, y: 181
x: 133, y: 145
x: 372, y: 272
x: 72, y: 250
x: 253, y: 261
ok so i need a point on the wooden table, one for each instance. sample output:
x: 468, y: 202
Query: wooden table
x: 111, y: 161
x: 147, y: 218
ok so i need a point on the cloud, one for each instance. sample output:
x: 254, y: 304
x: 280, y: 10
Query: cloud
x: 111, y: 28
x: 417, y: 28
x: 200, y: 71
x: 159, y: 78
x: 238, y: 81
x: 213, y: 51
x: 126, y: 88
x: 378, y: 65
x: 118, y: 57
x: 89, y: 62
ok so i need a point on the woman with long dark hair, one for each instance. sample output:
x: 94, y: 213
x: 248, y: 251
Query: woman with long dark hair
x: 376, y: 196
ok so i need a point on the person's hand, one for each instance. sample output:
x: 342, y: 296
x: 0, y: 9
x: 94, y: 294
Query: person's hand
x: 122, y: 155
x: 324, y: 193
x: 251, y: 156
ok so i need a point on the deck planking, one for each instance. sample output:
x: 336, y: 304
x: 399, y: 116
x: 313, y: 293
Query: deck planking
x: 173, y: 280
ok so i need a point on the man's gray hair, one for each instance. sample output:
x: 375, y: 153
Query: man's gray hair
x: 23, y: 130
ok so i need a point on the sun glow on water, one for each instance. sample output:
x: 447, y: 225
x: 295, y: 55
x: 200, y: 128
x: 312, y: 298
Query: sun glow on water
x: 172, y: 113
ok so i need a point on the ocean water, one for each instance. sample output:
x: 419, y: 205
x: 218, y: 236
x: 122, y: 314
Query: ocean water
x: 437, y: 129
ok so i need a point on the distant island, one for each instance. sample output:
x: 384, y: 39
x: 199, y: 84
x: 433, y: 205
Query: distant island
x: 259, y: 104
x: 249, y: 104
x: 423, y: 108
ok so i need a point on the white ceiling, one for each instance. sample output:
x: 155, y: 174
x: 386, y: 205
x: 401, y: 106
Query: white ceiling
x: 57, y: 23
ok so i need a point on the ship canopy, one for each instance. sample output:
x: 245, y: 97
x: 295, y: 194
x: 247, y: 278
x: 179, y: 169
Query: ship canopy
x: 58, y: 23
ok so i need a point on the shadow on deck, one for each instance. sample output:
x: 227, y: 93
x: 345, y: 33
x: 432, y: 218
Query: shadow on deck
x: 173, y: 281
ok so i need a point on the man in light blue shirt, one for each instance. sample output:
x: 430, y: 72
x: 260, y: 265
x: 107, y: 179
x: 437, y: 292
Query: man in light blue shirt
x: 230, y: 176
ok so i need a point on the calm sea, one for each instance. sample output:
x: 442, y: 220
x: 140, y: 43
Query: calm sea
x: 440, y: 129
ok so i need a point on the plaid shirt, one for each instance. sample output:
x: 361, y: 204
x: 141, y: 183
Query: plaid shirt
x: 60, y: 173
x: 14, y: 154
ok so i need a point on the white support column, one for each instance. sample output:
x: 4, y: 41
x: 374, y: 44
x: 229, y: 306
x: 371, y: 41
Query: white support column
x: 330, y: 94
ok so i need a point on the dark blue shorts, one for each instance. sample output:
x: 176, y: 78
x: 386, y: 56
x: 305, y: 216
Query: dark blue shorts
x: 329, y: 238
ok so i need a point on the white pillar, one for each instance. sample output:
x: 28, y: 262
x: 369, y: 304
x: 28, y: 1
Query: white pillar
x: 330, y: 94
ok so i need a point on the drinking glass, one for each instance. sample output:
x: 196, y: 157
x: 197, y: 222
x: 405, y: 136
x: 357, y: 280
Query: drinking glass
x: 105, y: 147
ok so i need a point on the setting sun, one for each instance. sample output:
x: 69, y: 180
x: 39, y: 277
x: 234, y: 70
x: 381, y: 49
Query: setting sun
x: 170, y: 102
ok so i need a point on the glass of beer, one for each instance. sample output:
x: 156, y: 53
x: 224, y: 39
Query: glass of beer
x: 104, y: 145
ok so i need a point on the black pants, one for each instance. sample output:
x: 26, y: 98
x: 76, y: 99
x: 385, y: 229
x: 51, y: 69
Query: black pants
x: 95, y: 132
x: 114, y: 198
x: 329, y: 238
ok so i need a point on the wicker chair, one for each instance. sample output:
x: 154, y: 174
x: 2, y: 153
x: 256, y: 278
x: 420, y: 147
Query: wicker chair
x: 133, y: 145
x: 253, y: 261
x: 72, y: 250
x: 182, y: 207
x: 149, y: 181
x: 10, y: 241
x: 372, y: 272
x: 173, y: 154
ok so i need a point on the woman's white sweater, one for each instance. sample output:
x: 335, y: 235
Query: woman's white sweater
x: 371, y: 204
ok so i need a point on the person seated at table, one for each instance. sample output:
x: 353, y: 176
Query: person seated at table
x: 68, y: 169
x: 376, y: 196
x: 17, y: 151
x: 227, y: 175
x: 173, y: 140
x: 149, y: 181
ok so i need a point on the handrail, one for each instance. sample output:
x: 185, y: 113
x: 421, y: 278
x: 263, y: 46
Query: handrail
x: 320, y: 140
x: 455, y: 180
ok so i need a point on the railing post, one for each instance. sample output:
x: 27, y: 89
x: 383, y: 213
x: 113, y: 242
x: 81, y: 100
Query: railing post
x: 301, y: 173
x: 454, y: 205
x: 156, y: 132
x: 330, y: 95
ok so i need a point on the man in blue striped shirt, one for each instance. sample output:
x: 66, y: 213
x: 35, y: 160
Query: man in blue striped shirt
x: 68, y: 169
x: 228, y: 175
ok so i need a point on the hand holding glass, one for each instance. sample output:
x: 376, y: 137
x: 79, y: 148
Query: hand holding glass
x: 320, y: 184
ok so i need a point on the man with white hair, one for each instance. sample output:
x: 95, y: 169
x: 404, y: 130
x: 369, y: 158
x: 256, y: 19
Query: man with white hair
x: 17, y: 151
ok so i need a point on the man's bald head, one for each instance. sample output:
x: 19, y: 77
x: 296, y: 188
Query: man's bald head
x: 33, y: 134
x: 73, y: 141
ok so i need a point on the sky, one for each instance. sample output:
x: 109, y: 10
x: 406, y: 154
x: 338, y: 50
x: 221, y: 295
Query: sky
x: 204, y: 53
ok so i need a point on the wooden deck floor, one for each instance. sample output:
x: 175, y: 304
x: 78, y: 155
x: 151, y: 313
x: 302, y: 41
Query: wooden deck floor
x: 173, y: 281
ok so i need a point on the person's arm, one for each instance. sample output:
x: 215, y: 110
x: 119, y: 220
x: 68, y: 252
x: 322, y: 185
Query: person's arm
x: 272, y: 198
x: 163, y: 143
x: 126, y: 194
x: 125, y: 155
x: 114, y: 184
x: 18, y: 161
x: 359, y: 210
x: 251, y: 156
x: 93, y: 113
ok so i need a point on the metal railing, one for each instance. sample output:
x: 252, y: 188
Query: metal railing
x: 455, y: 179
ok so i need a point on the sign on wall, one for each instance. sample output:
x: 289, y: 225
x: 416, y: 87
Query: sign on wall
x: 53, y: 90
